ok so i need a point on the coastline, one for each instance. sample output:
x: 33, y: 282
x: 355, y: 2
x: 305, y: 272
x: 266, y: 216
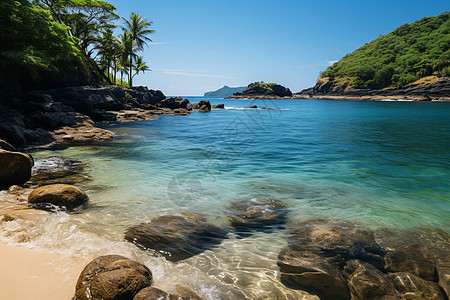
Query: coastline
x: 345, y: 97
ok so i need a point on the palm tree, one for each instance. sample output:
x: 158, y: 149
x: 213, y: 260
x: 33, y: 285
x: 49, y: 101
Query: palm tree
x: 138, y: 30
x: 139, y: 66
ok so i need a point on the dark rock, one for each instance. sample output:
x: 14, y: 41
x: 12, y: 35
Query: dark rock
x: 257, y: 214
x: 219, y: 106
x: 312, y: 273
x: 413, y: 259
x: 60, y: 195
x: 176, y: 237
x: 54, y: 169
x: 410, y: 286
x: 15, y: 168
x: 367, y: 282
x: 174, y: 103
x: 112, y: 277
x: 337, y: 239
x: 253, y: 106
x: 6, y: 146
x: 204, y: 106
x: 38, y: 136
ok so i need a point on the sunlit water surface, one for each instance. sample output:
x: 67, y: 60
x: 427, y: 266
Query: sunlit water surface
x: 379, y: 164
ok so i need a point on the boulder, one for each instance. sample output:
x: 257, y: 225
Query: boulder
x: 176, y: 237
x: 219, y: 106
x: 65, y: 195
x: 313, y: 273
x: 410, y: 286
x: 413, y: 259
x: 15, y: 168
x: 6, y: 146
x: 204, y: 106
x: 367, y: 282
x: 112, y: 277
x: 174, y: 103
x: 253, y: 106
x: 257, y: 214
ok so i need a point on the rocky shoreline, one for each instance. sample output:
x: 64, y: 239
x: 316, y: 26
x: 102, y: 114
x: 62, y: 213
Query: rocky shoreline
x: 73, y: 115
x: 429, y: 89
x: 332, y: 259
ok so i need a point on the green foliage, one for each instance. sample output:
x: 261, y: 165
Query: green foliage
x: 267, y: 86
x: 409, y: 52
x: 31, y: 43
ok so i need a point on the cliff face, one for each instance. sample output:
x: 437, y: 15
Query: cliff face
x: 431, y: 87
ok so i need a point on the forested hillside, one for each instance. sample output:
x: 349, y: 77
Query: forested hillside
x: 406, y: 54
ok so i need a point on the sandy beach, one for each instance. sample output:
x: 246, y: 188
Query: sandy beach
x: 34, y: 274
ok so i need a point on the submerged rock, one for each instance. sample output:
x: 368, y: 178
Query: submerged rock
x: 219, y: 106
x: 55, y: 169
x: 257, y: 214
x: 65, y: 195
x: 342, y: 240
x: 15, y: 168
x: 413, y: 259
x: 152, y: 293
x: 176, y: 237
x: 313, y: 273
x: 112, y: 277
x: 410, y: 286
x: 317, y: 252
x: 367, y: 282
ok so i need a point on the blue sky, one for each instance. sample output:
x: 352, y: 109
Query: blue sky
x: 202, y: 45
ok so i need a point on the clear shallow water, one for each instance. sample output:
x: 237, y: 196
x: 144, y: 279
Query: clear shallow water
x: 380, y: 164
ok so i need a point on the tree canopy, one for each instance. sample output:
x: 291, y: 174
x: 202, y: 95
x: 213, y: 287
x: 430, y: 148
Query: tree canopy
x: 49, y: 43
x: 406, y: 54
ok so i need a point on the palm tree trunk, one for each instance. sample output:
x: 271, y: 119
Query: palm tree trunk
x: 130, y: 79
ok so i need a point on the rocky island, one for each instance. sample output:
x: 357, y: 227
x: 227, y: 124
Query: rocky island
x: 262, y: 90
x: 412, y: 62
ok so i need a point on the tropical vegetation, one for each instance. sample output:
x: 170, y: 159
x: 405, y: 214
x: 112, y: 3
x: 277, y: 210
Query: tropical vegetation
x: 408, y: 53
x: 44, y: 43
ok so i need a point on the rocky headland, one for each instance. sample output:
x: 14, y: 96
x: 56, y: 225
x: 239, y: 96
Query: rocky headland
x: 426, y: 89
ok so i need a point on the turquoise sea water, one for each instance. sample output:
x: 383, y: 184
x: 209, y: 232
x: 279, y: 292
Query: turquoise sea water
x: 380, y: 164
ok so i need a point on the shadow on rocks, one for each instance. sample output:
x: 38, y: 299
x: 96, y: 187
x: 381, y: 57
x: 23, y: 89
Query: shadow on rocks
x: 176, y: 237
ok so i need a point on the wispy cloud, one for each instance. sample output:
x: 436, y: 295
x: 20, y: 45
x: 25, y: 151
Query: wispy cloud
x: 191, y: 74
x: 331, y: 62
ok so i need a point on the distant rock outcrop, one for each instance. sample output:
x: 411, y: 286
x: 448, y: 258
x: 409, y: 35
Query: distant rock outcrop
x: 263, y: 90
x: 226, y: 91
